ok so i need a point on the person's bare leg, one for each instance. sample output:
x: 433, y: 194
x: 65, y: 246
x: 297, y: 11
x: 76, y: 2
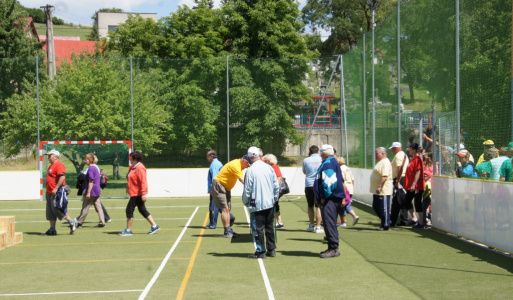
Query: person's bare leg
x: 129, y: 223
x: 150, y: 219
x: 319, y: 217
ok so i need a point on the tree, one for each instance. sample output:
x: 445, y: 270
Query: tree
x: 94, y: 35
x: 346, y: 20
x: 17, y: 53
x: 203, y: 3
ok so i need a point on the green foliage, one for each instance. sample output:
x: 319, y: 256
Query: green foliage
x: 346, y: 20
x: 37, y: 14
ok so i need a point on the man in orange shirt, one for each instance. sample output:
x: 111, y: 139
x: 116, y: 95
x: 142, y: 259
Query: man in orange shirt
x: 222, y: 185
x: 137, y: 189
x: 55, y: 180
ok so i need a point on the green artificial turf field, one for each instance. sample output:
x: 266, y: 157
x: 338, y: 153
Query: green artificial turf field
x: 183, y: 260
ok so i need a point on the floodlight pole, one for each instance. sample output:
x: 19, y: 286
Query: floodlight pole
x: 458, y: 125
x: 373, y: 7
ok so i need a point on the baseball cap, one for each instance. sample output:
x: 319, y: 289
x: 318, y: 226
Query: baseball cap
x: 253, y: 152
x: 246, y: 158
x: 510, y: 146
x: 327, y: 149
x: 395, y: 145
x: 462, y: 153
x: 488, y: 143
x: 53, y: 152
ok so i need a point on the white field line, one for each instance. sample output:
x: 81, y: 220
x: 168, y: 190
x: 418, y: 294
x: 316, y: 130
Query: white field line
x: 69, y: 293
x: 164, y: 262
x: 267, y: 283
x: 135, y: 219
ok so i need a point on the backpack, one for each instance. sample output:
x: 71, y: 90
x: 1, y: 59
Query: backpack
x: 103, y: 180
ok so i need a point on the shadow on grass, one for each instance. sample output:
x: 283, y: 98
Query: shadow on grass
x: 299, y: 253
x: 242, y: 255
x: 306, y: 240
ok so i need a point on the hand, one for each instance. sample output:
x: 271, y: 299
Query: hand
x: 143, y: 197
x: 412, y: 189
x: 458, y: 164
x: 322, y: 201
x: 378, y: 190
x: 54, y: 191
x: 88, y: 196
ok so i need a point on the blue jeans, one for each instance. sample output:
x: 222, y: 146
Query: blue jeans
x: 213, y: 213
x: 381, y: 205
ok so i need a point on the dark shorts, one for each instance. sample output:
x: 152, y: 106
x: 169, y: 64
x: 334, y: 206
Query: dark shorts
x: 310, y: 196
x: 52, y: 213
x: 136, y: 202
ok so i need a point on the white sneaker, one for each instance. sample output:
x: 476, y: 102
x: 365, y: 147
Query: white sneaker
x: 319, y: 230
x: 311, y: 228
x: 355, y: 220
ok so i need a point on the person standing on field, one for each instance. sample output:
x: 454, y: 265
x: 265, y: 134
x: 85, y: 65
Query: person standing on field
x: 137, y: 189
x: 222, y: 185
x: 55, y: 181
x: 381, y: 187
x: 310, y: 166
x: 92, y: 190
x: 215, y: 167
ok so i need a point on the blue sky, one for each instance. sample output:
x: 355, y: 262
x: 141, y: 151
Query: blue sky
x: 80, y: 11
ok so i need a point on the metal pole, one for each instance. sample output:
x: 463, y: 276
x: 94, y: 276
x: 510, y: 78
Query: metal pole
x: 364, y: 105
x: 458, y: 125
x: 317, y: 113
x: 227, y: 108
x: 373, y: 89
x: 132, y: 102
x: 433, y: 128
x: 343, y: 106
x: 399, y: 102
x: 37, y: 96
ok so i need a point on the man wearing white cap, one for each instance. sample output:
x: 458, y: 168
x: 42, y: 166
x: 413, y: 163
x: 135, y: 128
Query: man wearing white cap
x: 55, y: 181
x: 329, y: 193
x: 381, y: 187
x: 221, y: 188
x: 261, y: 191
x: 399, y: 164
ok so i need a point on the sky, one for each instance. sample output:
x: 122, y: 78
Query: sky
x: 80, y: 12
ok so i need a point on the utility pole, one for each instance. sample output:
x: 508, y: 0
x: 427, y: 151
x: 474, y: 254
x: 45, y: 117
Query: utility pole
x: 50, y: 48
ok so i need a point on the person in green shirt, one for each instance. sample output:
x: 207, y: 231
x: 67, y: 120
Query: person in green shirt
x: 484, y: 169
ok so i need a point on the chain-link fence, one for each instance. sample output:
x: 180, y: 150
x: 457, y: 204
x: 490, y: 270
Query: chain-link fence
x: 432, y: 67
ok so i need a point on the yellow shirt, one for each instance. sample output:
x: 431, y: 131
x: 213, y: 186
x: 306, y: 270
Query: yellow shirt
x: 382, y: 168
x: 229, y: 174
x: 397, y: 162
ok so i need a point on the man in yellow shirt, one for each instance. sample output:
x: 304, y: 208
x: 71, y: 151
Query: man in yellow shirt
x: 222, y: 185
x: 381, y: 187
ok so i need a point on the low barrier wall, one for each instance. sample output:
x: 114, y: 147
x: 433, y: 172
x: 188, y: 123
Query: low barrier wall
x: 478, y: 210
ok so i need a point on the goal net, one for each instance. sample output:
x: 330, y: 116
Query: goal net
x: 112, y: 161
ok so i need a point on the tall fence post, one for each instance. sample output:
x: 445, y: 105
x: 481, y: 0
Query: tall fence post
x: 458, y: 124
x: 373, y: 87
x: 343, y: 107
x: 228, y: 108
x: 399, y: 101
x: 37, y: 96
x: 364, y: 104
x: 132, y: 103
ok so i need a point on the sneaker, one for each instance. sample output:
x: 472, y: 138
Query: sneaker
x: 209, y: 226
x: 154, y: 229
x: 232, y: 220
x: 100, y: 226
x: 257, y: 255
x: 330, y: 253
x: 126, y: 232
x: 412, y: 223
x: 355, y: 220
x: 418, y: 226
x: 311, y: 228
x: 341, y: 224
x: 231, y: 234
x: 382, y: 229
x: 108, y: 221
x: 79, y: 226
x: 72, y: 226
x: 279, y: 225
x: 319, y: 230
x: 50, y: 232
x: 271, y: 253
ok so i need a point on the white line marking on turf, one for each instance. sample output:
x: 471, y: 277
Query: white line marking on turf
x: 67, y: 293
x: 163, y: 264
x: 268, y: 287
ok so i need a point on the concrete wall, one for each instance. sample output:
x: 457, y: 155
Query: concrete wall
x: 325, y: 136
x: 105, y: 19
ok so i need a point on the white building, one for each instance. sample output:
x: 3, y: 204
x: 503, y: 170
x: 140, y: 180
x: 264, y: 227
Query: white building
x: 109, y: 21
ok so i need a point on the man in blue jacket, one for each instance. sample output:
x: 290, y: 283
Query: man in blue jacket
x: 329, y: 193
x: 261, y: 191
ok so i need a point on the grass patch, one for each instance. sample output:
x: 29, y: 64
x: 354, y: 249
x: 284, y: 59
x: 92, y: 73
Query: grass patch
x: 66, y: 30
x: 398, y: 264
